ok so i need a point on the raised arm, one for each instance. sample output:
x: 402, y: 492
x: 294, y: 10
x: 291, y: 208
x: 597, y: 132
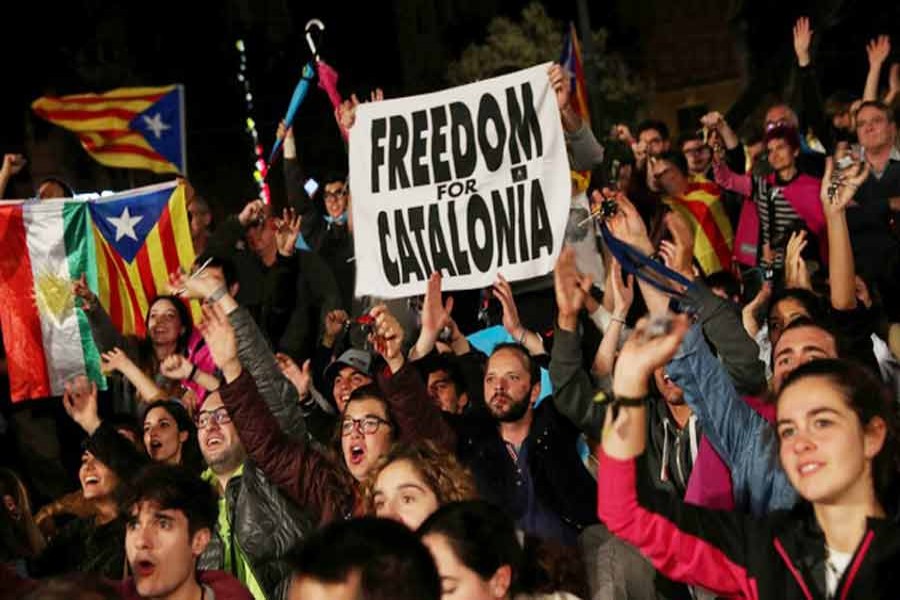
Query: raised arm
x: 417, y: 416
x: 628, y: 226
x: 840, y: 253
x: 253, y: 351
x: 743, y: 438
x: 684, y: 542
x: 117, y: 360
x: 305, y: 475
x: 111, y: 448
x: 511, y: 323
x: 573, y: 392
x: 623, y: 295
x: 12, y: 165
x: 877, y: 50
x: 810, y: 103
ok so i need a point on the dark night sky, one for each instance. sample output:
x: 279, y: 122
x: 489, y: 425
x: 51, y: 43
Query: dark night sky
x: 189, y: 42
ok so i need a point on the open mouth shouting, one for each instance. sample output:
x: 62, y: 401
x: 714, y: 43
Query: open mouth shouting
x: 357, y: 453
x: 143, y: 567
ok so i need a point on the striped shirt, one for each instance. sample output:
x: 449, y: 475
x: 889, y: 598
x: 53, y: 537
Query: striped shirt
x: 785, y: 216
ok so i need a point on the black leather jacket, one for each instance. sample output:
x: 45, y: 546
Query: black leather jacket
x: 266, y: 525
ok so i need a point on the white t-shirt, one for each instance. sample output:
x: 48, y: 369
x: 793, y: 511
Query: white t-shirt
x: 835, y: 565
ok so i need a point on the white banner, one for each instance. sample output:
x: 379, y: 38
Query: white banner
x: 469, y: 181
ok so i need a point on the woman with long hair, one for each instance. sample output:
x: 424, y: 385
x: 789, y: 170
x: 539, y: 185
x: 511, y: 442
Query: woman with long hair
x: 94, y: 543
x: 171, y: 360
x: 170, y: 435
x: 837, y: 430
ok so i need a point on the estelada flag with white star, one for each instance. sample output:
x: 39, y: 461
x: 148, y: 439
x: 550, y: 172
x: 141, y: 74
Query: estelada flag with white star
x: 125, y: 245
x: 132, y: 128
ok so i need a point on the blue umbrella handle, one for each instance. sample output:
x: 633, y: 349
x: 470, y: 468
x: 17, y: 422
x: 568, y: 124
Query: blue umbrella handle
x: 297, y: 98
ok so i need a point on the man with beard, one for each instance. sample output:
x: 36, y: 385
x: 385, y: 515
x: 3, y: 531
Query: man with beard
x: 523, y: 456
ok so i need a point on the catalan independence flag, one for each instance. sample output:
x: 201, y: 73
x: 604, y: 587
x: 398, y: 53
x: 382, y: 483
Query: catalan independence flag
x: 124, y: 244
x: 571, y: 61
x: 701, y: 205
x: 140, y: 237
x: 131, y: 128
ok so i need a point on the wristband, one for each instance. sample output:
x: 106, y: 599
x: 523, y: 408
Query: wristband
x: 618, y: 319
x: 193, y: 372
x: 217, y: 294
x: 522, y: 337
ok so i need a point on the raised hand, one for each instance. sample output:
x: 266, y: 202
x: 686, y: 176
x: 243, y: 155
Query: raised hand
x: 878, y: 50
x: 622, y: 133
x: 848, y: 181
x: 625, y: 428
x: 796, y: 275
x: 571, y: 289
x: 80, y: 402
x: 335, y: 322
x: 176, y: 367
x: 81, y: 290
x: 284, y: 132
x: 622, y: 290
x: 252, y: 212
x: 300, y: 378
x: 12, y: 165
x: 504, y: 294
x: 346, y: 113
x: 115, y: 360
x: 627, y: 224
x: 712, y: 120
x: 387, y: 337
x: 435, y: 314
x: 561, y: 82
x: 199, y: 286
x: 221, y: 340
x: 752, y: 308
x: 802, y: 40
x: 678, y: 254
x: 287, y: 230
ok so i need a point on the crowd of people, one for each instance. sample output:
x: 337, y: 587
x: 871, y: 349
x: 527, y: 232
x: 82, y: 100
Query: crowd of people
x: 726, y: 426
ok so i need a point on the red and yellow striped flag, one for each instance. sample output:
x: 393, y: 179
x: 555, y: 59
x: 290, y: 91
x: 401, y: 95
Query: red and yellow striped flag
x: 702, y: 207
x: 132, y: 128
x: 140, y: 237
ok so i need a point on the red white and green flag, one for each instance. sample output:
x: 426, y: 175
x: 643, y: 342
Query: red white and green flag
x: 45, y: 245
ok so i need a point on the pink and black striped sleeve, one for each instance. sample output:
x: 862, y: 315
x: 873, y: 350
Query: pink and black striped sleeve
x: 686, y: 543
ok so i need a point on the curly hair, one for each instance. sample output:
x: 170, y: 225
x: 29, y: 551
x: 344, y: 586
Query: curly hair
x: 444, y: 475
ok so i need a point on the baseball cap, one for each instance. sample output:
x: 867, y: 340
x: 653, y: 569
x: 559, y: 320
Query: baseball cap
x: 356, y: 359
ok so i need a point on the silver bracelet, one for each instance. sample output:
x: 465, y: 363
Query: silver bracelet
x: 617, y: 319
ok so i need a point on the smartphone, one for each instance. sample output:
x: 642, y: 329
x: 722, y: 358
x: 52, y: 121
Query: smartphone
x: 311, y: 186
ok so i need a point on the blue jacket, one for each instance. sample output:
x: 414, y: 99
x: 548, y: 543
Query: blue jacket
x: 744, y: 439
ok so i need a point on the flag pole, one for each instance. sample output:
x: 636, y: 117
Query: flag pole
x: 183, y: 119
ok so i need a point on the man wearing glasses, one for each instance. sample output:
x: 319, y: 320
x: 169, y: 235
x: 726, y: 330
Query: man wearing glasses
x: 327, y: 232
x: 257, y: 526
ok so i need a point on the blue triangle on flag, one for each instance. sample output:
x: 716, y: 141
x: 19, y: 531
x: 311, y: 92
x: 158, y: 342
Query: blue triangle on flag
x: 161, y: 124
x: 125, y: 223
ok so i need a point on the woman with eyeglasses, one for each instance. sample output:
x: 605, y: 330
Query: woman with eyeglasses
x: 838, y: 445
x: 374, y: 417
